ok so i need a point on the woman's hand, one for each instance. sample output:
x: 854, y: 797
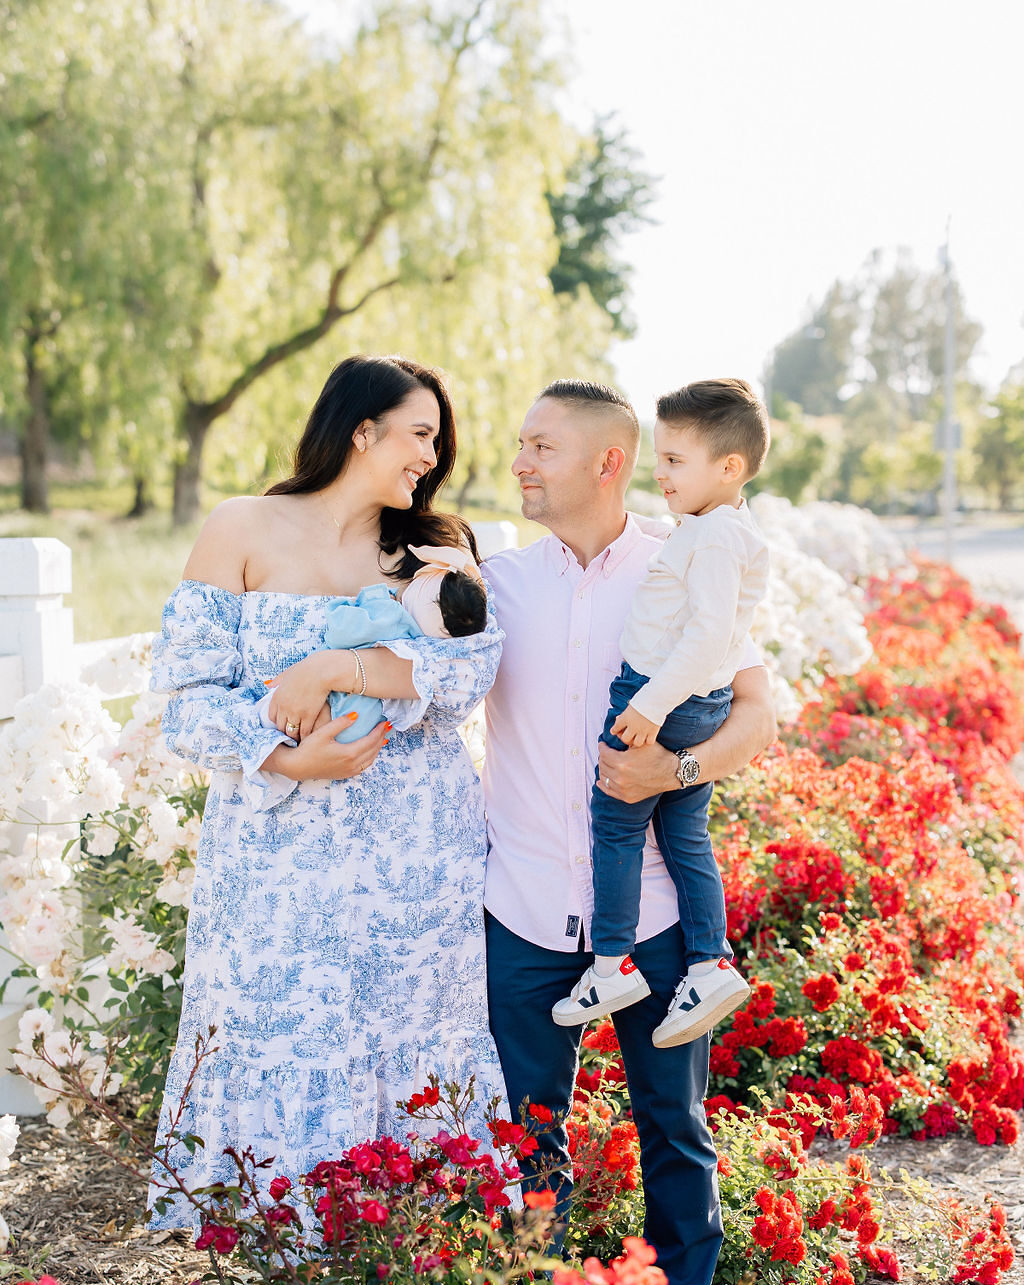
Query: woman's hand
x: 320, y: 757
x: 299, y: 694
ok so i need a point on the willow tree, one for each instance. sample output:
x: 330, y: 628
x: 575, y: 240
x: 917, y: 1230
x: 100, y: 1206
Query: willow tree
x: 319, y: 180
x: 191, y: 213
x: 86, y: 249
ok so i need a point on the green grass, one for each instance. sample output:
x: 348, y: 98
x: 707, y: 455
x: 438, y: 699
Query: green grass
x: 124, y: 569
x: 98, y: 496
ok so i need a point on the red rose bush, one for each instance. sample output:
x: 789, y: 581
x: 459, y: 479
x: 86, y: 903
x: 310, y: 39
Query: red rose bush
x: 873, y: 868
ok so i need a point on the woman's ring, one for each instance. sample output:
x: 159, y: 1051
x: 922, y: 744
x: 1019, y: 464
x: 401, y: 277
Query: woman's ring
x: 607, y: 783
x: 291, y: 729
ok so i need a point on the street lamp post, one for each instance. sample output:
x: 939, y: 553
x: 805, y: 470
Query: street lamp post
x: 949, y: 497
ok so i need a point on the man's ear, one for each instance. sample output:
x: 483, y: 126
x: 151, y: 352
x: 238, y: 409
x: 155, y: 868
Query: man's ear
x: 612, y: 463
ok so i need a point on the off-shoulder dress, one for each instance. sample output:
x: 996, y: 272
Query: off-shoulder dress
x: 335, y: 937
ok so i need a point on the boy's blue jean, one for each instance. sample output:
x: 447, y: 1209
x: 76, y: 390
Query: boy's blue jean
x: 680, y: 825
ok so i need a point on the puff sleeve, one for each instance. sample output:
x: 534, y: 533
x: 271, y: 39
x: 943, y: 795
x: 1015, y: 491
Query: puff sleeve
x: 451, y: 675
x: 210, y: 719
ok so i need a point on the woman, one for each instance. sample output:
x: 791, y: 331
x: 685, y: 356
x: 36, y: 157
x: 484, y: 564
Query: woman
x: 335, y: 938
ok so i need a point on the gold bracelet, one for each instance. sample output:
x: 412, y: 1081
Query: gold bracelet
x: 360, y: 673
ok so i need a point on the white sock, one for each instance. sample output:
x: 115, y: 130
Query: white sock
x: 605, y: 965
x: 703, y: 969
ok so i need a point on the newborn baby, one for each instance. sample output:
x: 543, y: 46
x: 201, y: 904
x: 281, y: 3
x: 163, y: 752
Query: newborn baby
x: 446, y: 598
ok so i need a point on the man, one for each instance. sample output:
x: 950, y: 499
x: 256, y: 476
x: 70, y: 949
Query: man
x: 562, y: 602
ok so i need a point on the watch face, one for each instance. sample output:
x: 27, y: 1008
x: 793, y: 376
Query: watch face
x: 689, y: 769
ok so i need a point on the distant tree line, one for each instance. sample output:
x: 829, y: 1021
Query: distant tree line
x: 204, y: 206
x: 857, y: 393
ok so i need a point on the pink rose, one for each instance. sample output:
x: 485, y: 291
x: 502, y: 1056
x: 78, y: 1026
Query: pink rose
x: 372, y: 1211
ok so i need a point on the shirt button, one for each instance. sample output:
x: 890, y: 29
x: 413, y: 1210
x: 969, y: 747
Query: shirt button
x: 575, y: 753
x: 581, y: 861
x: 581, y: 596
x: 575, y: 696
x: 576, y: 642
x: 577, y: 806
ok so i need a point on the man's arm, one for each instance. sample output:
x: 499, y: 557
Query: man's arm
x: 641, y: 771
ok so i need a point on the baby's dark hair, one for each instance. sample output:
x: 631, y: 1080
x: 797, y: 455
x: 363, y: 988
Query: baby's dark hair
x: 463, y: 603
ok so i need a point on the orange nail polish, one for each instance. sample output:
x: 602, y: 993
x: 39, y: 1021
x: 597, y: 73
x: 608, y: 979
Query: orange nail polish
x: 388, y: 741
x: 352, y: 716
x: 387, y: 727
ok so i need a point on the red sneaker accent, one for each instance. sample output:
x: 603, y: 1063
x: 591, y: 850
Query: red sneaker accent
x: 627, y: 966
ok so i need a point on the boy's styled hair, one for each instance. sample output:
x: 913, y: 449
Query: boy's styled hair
x: 600, y: 399
x: 726, y: 413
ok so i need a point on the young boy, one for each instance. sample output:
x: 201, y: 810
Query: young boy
x: 681, y: 645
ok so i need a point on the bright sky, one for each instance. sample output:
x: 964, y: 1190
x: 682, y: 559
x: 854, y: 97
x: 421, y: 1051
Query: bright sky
x: 792, y: 137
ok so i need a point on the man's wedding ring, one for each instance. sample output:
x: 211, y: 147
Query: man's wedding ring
x: 291, y: 729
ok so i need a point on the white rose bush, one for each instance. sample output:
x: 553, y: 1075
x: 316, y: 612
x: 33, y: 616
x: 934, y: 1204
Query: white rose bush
x: 99, y: 823
x: 98, y: 832
x: 9, y: 1132
x: 811, y: 621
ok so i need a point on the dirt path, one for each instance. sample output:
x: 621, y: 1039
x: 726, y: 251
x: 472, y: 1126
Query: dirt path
x: 63, y: 1194
x: 959, y: 1166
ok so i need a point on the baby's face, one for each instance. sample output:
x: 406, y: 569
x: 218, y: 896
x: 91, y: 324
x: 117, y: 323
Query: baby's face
x: 689, y: 479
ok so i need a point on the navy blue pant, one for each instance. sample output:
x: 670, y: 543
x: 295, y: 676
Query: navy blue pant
x: 667, y: 1088
x: 680, y: 825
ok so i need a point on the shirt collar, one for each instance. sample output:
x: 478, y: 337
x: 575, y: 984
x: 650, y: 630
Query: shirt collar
x: 607, y: 560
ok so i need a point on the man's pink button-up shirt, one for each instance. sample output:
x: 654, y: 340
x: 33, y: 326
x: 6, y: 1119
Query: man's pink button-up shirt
x: 544, y: 715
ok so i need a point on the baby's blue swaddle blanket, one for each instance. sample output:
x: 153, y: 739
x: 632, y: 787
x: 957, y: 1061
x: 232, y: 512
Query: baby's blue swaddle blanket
x: 373, y: 615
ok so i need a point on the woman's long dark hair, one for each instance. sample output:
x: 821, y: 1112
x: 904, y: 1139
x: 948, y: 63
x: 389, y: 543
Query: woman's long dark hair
x: 362, y: 388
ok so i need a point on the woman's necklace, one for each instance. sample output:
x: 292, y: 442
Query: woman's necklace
x: 320, y: 497
x: 380, y: 551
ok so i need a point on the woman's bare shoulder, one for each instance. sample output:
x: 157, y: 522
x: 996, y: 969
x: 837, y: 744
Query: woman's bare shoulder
x: 233, y: 532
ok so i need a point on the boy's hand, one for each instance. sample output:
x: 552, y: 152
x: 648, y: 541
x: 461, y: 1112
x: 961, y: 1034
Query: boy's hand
x: 633, y: 729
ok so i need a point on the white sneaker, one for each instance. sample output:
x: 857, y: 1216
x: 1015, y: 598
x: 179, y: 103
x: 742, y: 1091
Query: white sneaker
x: 700, y: 1003
x: 595, y: 996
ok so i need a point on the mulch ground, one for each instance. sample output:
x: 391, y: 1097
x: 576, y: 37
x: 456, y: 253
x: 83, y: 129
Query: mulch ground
x: 64, y: 1198
x: 63, y: 1195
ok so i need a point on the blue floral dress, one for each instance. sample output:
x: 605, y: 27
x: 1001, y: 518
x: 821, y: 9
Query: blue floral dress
x: 335, y: 938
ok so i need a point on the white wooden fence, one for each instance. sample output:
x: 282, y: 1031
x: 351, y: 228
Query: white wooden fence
x: 37, y: 647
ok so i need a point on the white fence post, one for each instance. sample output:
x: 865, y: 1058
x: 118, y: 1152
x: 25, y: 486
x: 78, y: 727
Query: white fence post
x: 36, y: 632
x: 36, y: 647
x: 493, y: 537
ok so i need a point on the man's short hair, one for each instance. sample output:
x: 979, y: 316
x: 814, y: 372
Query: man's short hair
x: 727, y: 416
x: 601, y: 400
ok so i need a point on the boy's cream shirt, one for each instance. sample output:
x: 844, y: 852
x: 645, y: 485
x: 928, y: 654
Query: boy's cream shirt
x: 693, y: 609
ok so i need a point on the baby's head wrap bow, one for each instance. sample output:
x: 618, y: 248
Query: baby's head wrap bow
x: 420, y: 597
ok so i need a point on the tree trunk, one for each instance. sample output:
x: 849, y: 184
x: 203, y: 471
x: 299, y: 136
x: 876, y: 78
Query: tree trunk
x: 35, y: 440
x: 143, y: 503
x: 195, y: 424
x: 464, y: 489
